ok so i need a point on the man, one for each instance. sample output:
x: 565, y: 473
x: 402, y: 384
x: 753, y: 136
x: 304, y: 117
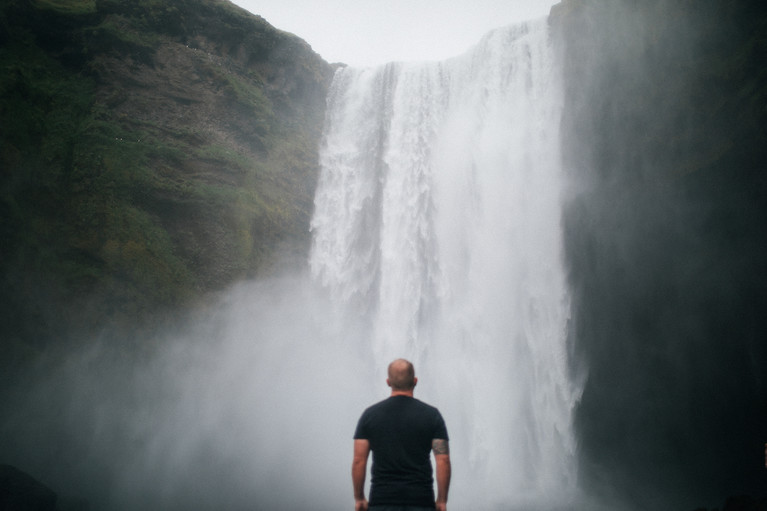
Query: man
x: 401, y: 431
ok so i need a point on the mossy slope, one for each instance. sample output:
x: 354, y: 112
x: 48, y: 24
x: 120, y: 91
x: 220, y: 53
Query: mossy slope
x: 150, y: 152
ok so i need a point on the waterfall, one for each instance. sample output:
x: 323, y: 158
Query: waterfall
x: 437, y: 223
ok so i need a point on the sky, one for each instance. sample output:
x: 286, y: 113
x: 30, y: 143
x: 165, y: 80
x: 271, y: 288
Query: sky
x: 371, y: 32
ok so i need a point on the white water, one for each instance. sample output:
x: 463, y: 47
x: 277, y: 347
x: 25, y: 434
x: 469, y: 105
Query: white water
x: 437, y: 222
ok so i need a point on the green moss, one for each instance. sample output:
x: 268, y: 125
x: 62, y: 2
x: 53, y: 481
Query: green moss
x: 118, y: 32
x: 67, y: 6
x: 252, y: 97
x: 42, y: 102
x: 138, y: 248
x: 131, y: 196
x: 70, y: 183
x: 226, y: 155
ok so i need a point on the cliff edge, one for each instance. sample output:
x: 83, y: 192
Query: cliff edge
x: 151, y: 152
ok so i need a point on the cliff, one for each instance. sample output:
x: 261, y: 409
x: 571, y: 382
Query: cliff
x: 151, y: 152
x: 664, y: 129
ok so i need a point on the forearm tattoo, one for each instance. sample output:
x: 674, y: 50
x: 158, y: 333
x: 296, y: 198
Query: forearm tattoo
x: 440, y: 446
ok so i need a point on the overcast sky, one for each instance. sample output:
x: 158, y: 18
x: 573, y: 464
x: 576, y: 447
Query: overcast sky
x: 371, y: 32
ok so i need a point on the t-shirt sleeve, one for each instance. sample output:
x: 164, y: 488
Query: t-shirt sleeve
x: 361, y: 433
x: 440, y: 430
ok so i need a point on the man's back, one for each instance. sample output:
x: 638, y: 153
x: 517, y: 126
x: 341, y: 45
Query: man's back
x: 400, y: 430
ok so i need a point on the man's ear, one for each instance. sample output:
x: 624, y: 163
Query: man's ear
x: 387, y: 382
x: 415, y: 381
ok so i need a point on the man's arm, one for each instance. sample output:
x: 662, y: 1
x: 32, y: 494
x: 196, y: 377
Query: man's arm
x: 359, y: 469
x: 441, y: 450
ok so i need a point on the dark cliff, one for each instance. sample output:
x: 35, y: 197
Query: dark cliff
x: 665, y: 126
x: 151, y: 152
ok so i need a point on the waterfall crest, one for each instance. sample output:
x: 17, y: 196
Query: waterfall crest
x: 437, y: 221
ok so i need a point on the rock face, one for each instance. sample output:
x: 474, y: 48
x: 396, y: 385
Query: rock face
x: 21, y: 492
x: 151, y: 152
x: 664, y: 128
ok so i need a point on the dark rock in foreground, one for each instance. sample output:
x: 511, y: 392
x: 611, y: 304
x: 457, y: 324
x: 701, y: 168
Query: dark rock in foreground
x: 742, y: 503
x: 21, y: 492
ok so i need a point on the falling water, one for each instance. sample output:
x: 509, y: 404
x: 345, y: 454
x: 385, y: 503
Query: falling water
x: 437, y: 222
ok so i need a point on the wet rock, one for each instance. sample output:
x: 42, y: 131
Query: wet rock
x: 21, y: 492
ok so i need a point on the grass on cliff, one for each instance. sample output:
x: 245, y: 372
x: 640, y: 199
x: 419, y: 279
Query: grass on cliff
x: 110, y: 207
x: 67, y: 6
x: 75, y: 176
x: 68, y: 186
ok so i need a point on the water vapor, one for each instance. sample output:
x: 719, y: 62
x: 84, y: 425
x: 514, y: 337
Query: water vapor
x: 255, y: 397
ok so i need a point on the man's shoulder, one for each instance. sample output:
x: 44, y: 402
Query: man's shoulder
x: 379, y: 404
x: 400, y: 402
x: 372, y: 409
x: 413, y: 406
x: 425, y: 406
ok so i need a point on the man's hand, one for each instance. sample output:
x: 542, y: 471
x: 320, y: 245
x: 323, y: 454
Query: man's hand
x: 361, y: 505
x: 441, y: 506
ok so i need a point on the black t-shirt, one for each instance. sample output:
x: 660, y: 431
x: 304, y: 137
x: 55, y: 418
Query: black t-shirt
x: 400, y: 430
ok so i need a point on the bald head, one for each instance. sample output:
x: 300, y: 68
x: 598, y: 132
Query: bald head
x: 401, y: 375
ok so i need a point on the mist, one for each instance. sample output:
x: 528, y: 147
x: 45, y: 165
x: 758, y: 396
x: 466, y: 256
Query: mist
x: 236, y: 410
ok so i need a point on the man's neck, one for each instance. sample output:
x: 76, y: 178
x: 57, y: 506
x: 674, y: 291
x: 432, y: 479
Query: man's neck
x: 408, y: 393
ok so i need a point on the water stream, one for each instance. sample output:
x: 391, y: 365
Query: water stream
x: 437, y: 222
